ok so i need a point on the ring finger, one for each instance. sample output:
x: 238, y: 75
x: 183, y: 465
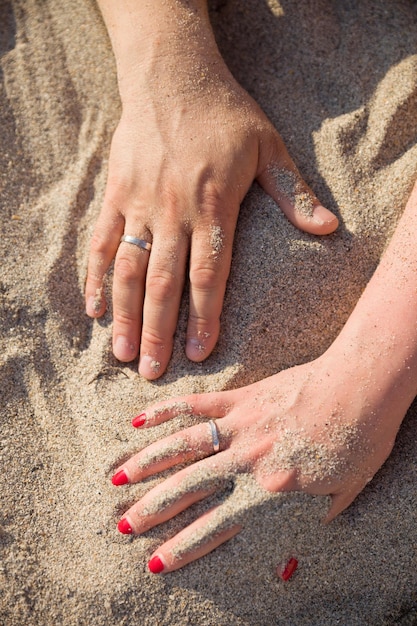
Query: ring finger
x: 191, y: 444
x: 130, y: 267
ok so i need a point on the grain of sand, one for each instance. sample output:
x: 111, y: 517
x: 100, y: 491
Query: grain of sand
x: 339, y: 80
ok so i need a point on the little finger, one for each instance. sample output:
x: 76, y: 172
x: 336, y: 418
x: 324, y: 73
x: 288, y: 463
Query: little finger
x: 103, y: 248
x: 199, y: 538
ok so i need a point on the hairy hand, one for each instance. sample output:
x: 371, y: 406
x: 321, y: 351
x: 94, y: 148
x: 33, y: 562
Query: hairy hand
x: 186, y: 150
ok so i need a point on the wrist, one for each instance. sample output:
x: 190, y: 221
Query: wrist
x: 166, y: 73
x: 381, y: 365
x: 159, y: 43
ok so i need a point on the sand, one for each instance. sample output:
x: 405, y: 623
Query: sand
x: 339, y: 81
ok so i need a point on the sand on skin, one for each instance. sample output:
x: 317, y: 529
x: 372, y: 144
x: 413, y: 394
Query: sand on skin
x: 339, y: 80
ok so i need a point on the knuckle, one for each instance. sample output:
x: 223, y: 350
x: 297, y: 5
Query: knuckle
x: 151, y: 338
x: 119, y: 191
x: 170, y: 197
x: 117, y: 183
x: 98, y: 244
x: 162, y: 284
x: 212, y: 200
x: 204, y: 277
x: 198, y: 323
x: 126, y: 269
x: 124, y: 318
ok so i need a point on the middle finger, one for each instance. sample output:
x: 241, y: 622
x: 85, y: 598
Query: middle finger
x: 176, y: 494
x: 164, y: 284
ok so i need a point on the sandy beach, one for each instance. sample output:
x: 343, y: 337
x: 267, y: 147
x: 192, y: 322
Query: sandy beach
x: 339, y: 82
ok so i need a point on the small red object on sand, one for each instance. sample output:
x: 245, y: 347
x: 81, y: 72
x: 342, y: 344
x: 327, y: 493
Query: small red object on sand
x: 286, y: 570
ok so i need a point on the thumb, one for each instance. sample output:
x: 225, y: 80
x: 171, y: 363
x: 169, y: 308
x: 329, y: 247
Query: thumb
x: 281, y: 179
x: 340, y: 502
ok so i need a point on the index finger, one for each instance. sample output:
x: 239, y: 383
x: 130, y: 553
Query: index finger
x: 210, y: 260
x: 215, y: 404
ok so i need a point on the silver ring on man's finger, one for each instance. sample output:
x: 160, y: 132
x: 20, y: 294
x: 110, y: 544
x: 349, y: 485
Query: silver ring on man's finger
x: 140, y: 243
x: 214, y: 435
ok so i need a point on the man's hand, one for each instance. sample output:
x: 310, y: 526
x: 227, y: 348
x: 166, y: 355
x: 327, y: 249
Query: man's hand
x: 189, y: 144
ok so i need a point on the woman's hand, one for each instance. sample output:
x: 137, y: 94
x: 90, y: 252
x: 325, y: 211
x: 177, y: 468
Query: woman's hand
x: 189, y: 144
x: 316, y: 428
x: 324, y: 427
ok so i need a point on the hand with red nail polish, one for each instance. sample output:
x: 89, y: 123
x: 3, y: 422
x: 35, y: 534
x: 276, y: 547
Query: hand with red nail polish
x: 156, y: 565
x: 124, y: 527
x: 270, y: 437
x: 120, y: 478
x: 323, y: 428
x: 139, y: 421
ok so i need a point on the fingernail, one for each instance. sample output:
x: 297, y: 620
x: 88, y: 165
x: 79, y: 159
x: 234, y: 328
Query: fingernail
x: 149, y: 367
x: 286, y: 570
x: 155, y: 565
x: 321, y: 215
x: 123, y: 349
x: 120, y: 478
x: 195, y: 349
x: 139, y: 420
x: 124, y: 527
x: 90, y: 309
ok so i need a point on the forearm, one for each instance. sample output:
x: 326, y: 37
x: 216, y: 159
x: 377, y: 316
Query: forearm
x: 380, y: 337
x: 155, y: 38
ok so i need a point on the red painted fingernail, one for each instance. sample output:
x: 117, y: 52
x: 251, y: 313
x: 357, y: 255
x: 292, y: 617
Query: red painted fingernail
x: 286, y: 570
x: 120, y: 479
x: 139, y: 420
x: 155, y: 565
x: 124, y: 527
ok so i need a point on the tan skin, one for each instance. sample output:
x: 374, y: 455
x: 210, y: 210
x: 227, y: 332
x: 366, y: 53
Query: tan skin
x: 170, y: 183
x: 362, y: 385
x: 189, y: 144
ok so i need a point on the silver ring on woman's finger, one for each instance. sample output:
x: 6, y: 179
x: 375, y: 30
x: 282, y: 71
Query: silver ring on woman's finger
x: 140, y: 243
x: 214, y: 435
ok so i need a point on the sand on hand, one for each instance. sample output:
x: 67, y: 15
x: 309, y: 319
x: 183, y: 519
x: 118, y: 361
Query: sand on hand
x: 339, y: 81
